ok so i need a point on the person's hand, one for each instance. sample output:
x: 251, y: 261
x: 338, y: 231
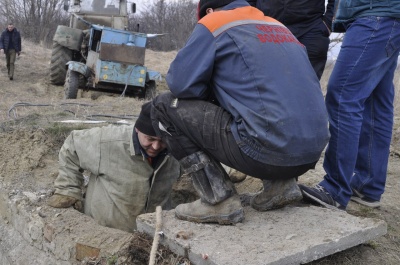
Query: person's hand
x: 1, y: 50
x: 64, y: 201
x: 236, y: 176
x: 329, y: 30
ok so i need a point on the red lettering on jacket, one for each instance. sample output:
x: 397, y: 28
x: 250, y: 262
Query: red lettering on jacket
x: 278, y: 38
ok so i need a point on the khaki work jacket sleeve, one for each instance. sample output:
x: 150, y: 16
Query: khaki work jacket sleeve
x: 79, y: 152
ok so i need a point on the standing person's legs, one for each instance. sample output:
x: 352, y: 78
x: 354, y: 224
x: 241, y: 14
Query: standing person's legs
x: 360, y: 67
x: 8, y: 63
x: 317, y: 41
x: 11, y: 56
x: 368, y: 181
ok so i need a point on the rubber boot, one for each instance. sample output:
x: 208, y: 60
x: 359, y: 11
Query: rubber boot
x: 276, y: 194
x: 219, y: 201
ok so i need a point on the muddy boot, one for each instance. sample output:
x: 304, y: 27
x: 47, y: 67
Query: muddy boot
x: 226, y: 212
x: 219, y: 201
x: 276, y: 194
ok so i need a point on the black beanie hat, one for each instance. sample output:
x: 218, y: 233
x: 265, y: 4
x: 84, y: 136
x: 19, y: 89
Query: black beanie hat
x: 143, y: 123
x: 204, y: 4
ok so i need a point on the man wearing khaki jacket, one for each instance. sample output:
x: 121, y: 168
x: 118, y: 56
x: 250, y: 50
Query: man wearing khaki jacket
x: 130, y: 169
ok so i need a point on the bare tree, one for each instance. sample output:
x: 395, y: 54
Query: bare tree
x: 175, y: 20
x: 36, y: 19
x: 336, y: 39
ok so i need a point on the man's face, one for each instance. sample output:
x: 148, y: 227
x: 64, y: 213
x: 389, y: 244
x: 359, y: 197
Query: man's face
x: 10, y: 27
x: 152, y: 145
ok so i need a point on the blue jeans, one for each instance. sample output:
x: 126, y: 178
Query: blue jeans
x: 359, y: 101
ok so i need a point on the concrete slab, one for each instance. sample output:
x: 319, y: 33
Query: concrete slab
x: 293, y: 235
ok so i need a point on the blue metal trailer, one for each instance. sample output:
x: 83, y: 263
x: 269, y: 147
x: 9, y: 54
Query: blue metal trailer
x: 114, y: 63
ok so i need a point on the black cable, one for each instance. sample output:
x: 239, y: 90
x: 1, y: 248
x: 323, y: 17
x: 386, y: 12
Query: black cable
x: 89, y: 117
x: 25, y: 104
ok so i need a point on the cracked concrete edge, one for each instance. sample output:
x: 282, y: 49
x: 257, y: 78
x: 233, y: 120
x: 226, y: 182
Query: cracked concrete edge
x: 28, y: 222
x: 180, y: 249
x: 146, y: 225
x: 347, y: 242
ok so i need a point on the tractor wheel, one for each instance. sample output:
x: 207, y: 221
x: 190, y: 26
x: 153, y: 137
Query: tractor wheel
x: 58, y: 69
x: 71, y: 84
x: 150, y: 91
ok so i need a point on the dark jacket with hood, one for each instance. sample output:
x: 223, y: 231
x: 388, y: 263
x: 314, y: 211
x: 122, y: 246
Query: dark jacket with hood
x: 6, y: 38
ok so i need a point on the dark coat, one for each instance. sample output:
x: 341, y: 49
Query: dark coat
x: 298, y: 15
x: 5, y: 40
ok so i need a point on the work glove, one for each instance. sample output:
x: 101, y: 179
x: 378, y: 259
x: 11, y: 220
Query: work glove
x: 64, y: 201
x: 234, y: 175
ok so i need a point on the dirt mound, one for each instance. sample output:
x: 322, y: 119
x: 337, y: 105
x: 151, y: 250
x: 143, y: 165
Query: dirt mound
x: 25, y: 157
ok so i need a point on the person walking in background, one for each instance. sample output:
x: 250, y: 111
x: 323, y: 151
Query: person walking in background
x: 359, y: 101
x: 310, y: 21
x: 10, y: 44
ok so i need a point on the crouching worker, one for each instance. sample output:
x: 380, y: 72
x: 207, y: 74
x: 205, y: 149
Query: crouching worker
x: 131, y: 172
x: 270, y: 121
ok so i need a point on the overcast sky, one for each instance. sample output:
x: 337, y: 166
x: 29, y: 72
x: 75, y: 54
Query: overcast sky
x: 140, y: 4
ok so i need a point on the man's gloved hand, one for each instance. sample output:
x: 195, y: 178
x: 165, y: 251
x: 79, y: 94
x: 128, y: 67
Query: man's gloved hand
x: 234, y: 175
x: 64, y: 201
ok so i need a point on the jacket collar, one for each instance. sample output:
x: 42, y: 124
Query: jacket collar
x: 135, y: 144
x: 235, y: 4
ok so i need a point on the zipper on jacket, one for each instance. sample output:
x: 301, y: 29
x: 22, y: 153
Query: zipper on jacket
x: 152, y: 182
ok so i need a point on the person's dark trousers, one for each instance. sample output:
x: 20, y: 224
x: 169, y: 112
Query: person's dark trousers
x: 10, y: 58
x: 188, y: 126
x: 316, y: 40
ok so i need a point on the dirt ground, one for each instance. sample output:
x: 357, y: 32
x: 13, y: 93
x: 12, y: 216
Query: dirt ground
x: 31, y: 135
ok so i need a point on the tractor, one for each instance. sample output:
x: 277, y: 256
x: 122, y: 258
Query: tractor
x: 97, y: 52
